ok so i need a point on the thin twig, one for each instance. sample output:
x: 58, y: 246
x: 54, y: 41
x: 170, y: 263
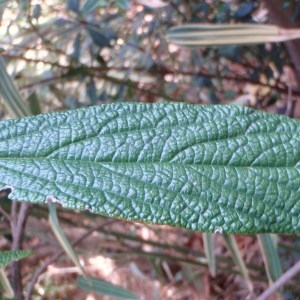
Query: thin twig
x: 283, y: 279
x: 5, y: 214
x: 14, y: 215
x: 176, y: 8
x: 56, y: 256
x: 18, y: 227
x: 290, y: 103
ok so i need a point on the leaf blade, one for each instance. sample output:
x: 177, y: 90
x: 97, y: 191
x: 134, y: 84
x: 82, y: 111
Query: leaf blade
x: 196, y: 35
x: 102, y: 287
x: 204, y: 168
x: 61, y: 237
x: 208, y: 243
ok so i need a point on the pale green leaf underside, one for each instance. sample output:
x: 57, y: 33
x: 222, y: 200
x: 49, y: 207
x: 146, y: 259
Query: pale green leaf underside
x: 204, y: 168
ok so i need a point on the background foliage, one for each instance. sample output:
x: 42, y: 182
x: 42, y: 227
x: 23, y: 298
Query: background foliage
x: 78, y: 53
x: 70, y: 54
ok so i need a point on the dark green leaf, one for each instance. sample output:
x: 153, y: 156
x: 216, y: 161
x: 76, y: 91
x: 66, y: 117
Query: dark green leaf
x: 206, y: 168
x: 244, y: 10
x: 73, y: 5
x: 77, y: 47
x: 34, y: 104
x: 37, y: 11
x: 124, y: 4
x: 91, y: 5
x: 91, y: 91
x: 98, y: 37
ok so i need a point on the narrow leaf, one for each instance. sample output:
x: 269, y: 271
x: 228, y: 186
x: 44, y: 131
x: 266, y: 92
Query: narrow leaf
x: 73, y: 5
x: 207, y: 168
x: 34, y: 104
x: 238, y: 259
x: 10, y: 94
x: 91, y: 5
x: 104, y: 288
x: 98, y: 37
x: 208, y: 241
x: 62, y: 239
x: 270, y: 256
x: 196, y: 35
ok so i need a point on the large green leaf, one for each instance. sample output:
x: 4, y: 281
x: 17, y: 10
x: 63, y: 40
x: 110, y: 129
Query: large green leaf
x: 207, y: 168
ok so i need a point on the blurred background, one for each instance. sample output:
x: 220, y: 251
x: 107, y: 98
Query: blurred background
x: 71, y: 54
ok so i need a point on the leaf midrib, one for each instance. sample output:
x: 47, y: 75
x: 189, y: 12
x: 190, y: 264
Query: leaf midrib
x: 227, y: 208
x: 176, y: 163
x: 147, y: 183
x: 234, y: 137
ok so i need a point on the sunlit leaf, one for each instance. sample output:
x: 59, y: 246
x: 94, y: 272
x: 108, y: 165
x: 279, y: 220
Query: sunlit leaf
x: 208, y: 168
x: 196, y: 35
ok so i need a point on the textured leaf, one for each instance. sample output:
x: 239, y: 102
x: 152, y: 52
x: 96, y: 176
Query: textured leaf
x: 207, y: 168
x: 6, y: 257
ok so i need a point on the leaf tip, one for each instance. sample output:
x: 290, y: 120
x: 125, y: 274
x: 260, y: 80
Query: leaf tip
x: 218, y: 231
x: 7, y: 189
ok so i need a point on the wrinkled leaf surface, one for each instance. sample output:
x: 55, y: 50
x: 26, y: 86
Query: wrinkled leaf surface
x: 207, y: 168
